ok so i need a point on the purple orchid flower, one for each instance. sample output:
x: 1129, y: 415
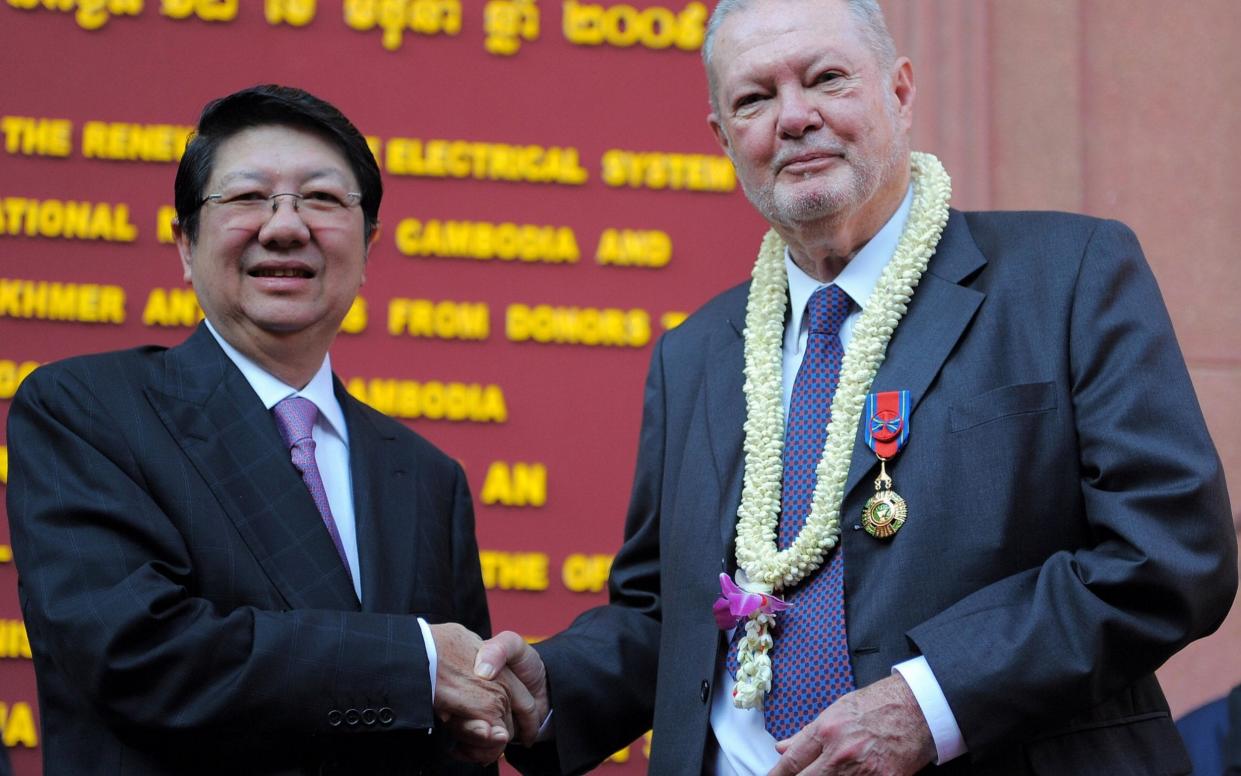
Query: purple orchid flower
x: 735, y: 604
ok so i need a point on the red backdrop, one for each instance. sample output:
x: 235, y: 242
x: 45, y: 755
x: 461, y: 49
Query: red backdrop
x: 86, y: 169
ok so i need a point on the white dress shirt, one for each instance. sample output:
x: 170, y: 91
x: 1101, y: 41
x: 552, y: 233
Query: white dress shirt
x: 744, y: 745
x: 331, y: 437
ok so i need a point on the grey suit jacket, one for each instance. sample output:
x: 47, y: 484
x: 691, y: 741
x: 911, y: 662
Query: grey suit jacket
x: 188, y: 612
x: 1068, y: 531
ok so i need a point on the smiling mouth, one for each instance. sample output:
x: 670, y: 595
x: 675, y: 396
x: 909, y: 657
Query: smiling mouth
x: 284, y: 272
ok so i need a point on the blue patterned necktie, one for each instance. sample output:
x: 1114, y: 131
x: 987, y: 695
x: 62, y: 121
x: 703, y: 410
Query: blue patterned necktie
x: 810, y: 656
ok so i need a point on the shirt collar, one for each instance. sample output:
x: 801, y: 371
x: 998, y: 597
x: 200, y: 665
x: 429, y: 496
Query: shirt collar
x: 861, y: 274
x: 272, y: 390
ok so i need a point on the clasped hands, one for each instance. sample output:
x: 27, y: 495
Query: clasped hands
x: 489, y: 693
x: 494, y: 692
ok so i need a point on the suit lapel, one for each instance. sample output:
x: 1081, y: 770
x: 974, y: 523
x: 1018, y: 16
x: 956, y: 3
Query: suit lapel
x: 939, y: 314
x: 725, y: 397
x: 232, y: 441
x: 386, y: 522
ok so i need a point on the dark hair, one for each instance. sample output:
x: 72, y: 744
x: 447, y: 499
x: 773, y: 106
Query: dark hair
x: 270, y: 104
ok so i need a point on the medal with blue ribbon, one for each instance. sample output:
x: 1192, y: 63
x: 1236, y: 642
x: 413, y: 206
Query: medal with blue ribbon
x: 887, y: 429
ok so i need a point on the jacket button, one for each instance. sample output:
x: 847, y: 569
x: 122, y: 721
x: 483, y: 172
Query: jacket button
x: 369, y: 716
x: 352, y: 717
x: 334, y: 718
x: 386, y: 715
x: 705, y: 691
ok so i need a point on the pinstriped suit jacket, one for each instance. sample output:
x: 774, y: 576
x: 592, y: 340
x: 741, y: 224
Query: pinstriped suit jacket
x: 1069, y: 527
x: 187, y: 610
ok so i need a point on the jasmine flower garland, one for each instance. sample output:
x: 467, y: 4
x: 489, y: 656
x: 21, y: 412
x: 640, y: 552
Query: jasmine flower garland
x: 763, y: 567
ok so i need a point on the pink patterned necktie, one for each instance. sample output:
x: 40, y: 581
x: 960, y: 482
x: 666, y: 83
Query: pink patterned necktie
x: 810, y: 656
x: 295, y: 417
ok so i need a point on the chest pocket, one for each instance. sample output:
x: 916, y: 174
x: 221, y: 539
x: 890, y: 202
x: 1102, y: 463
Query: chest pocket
x: 1002, y: 402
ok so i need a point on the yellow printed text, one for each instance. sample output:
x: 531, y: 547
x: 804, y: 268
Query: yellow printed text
x: 295, y: 13
x: 122, y: 141
x: 606, y: 327
x: 48, y: 301
x: 515, y: 484
x: 672, y: 319
x: 589, y: 24
x: 6, y: 554
x: 67, y: 220
x: 439, y: 320
x: 514, y: 570
x: 206, y: 10
x: 483, y: 161
x: 509, y: 22
x: 4, y: 464
x: 163, y: 224
x: 482, y: 240
x: 395, y: 17
x: 356, y: 319
x: 17, y: 724
x: 433, y: 400
x: 675, y: 172
x: 586, y: 573
x: 11, y: 375
x: 634, y: 248
x: 29, y: 136
x: 171, y: 307
x: 89, y: 14
x: 14, y: 643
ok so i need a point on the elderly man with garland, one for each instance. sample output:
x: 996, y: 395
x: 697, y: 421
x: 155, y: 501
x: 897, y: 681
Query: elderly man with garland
x: 994, y: 509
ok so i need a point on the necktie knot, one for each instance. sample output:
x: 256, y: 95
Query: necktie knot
x: 295, y: 417
x: 827, y: 309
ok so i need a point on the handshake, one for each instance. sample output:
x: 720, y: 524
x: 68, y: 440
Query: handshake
x: 490, y: 693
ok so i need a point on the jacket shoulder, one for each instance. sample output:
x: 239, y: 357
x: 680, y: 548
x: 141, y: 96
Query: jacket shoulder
x: 118, y: 370
x: 722, y: 309
x: 994, y: 228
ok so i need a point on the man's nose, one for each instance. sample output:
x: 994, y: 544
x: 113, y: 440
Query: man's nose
x: 798, y: 114
x: 285, y: 226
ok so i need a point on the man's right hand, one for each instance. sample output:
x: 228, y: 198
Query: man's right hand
x: 508, y: 652
x: 476, y: 707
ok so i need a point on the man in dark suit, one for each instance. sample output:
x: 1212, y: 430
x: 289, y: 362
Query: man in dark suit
x: 1064, y: 526
x: 226, y: 563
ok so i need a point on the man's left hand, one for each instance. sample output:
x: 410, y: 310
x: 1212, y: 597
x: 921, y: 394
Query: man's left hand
x: 878, y: 729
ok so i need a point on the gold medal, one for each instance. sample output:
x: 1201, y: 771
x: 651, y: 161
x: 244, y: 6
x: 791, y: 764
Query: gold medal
x: 885, y: 512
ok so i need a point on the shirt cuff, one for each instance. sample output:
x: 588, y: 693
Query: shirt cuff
x: 432, y: 656
x: 545, y: 730
x: 949, y: 743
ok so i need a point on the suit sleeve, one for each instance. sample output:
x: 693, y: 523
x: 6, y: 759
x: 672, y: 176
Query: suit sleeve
x: 107, y: 587
x: 1160, y: 567
x: 469, y: 594
x: 601, y: 670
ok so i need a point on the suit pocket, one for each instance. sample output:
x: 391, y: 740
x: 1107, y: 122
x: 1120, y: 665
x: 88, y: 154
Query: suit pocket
x: 1003, y: 402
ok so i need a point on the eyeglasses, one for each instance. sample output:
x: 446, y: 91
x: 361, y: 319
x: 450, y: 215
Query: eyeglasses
x: 314, y: 207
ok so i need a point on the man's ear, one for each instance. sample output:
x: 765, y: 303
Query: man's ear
x: 721, y: 135
x: 184, y: 248
x: 903, y: 90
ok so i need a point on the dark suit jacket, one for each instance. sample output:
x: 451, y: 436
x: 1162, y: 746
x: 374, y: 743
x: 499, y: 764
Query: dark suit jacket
x: 1068, y: 530
x: 188, y: 612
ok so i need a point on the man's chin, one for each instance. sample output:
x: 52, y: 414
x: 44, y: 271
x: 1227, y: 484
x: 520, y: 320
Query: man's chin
x: 807, y: 206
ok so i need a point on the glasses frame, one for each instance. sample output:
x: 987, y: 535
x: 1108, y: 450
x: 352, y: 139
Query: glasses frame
x: 352, y: 198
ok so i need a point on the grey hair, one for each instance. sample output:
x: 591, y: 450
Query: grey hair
x: 866, y: 13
